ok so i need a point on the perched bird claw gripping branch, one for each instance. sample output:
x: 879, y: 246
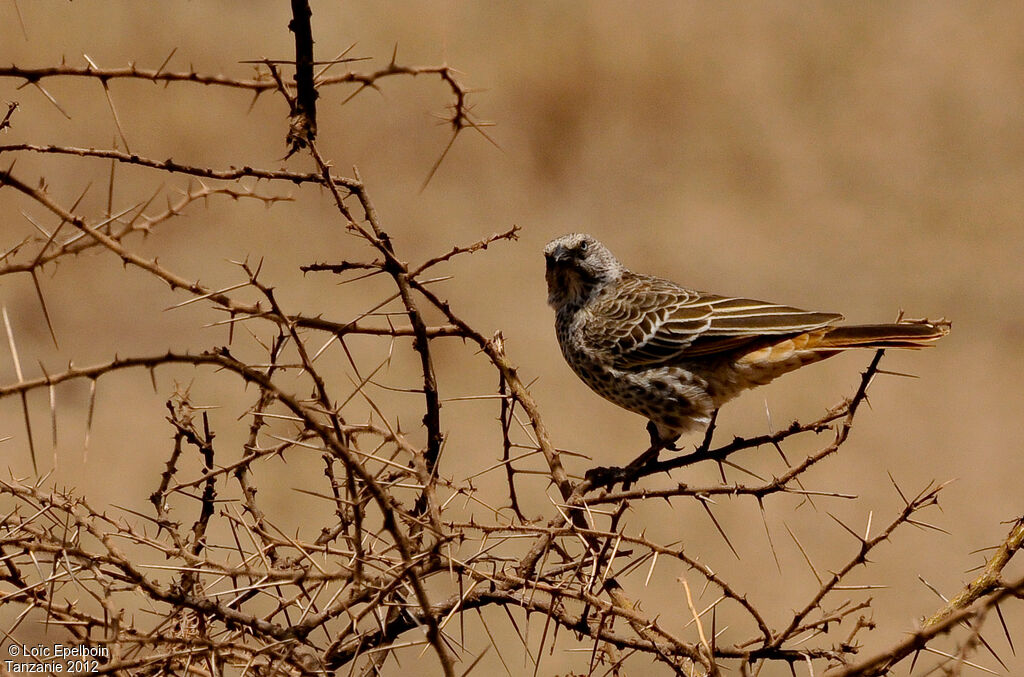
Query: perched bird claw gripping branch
x: 675, y: 355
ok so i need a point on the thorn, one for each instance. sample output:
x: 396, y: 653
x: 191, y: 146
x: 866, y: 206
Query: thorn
x: 1006, y: 630
x: 896, y: 373
x: 437, y: 164
x: 803, y: 552
x: 933, y: 589
x: 24, y: 394
x: 88, y: 420
x: 42, y: 304
x: 166, y: 61
x: 897, y: 487
x: 768, y: 533
x: 704, y: 504
x: 851, y: 531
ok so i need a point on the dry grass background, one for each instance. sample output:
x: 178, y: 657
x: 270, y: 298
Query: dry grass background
x: 856, y: 157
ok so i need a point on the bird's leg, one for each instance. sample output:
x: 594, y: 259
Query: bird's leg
x: 657, y: 442
x: 650, y: 456
x: 631, y: 471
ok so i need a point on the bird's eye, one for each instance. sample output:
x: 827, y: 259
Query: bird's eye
x: 583, y: 246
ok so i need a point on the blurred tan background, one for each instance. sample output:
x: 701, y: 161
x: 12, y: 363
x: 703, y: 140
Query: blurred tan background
x: 856, y: 157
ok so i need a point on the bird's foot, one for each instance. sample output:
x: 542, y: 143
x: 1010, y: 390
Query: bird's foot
x: 602, y: 476
x: 609, y: 476
x: 605, y: 476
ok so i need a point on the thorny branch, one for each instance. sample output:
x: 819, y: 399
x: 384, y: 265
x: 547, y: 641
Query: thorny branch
x: 407, y: 554
x: 302, y: 129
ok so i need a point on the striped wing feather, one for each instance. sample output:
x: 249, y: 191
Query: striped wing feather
x: 653, y: 322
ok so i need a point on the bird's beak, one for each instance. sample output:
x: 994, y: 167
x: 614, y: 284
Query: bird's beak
x: 556, y: 257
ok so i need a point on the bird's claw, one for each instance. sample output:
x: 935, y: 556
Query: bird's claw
x: 603, y: 476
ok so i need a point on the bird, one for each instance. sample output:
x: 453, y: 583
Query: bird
x: 674, y: 354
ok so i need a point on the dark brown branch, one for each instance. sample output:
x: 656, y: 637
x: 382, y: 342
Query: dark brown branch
x: 169, y: 165
x: 302, y: 129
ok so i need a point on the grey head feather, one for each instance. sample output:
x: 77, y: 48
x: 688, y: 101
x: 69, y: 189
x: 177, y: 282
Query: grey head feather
x: 578, y: 266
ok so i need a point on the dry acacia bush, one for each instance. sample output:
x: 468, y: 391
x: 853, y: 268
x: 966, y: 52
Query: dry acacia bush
x: 407, y: 562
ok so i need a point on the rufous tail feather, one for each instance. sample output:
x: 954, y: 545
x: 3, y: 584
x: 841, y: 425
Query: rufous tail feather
x: 899, y: 335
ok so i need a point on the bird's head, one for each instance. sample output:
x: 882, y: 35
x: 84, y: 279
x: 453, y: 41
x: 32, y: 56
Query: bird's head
x: 577, y: 266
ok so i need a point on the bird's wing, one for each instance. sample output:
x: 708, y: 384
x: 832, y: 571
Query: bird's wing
x: 650, y: 322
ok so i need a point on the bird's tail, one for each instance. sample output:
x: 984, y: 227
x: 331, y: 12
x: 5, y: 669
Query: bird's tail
x: 904, y: 334
x: 761, y: 365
